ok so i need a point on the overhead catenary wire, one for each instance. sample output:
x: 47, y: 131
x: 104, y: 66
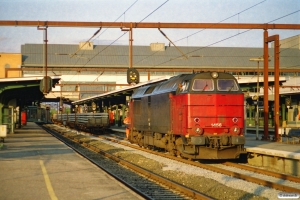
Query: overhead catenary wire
x: 86, y: 42
x: 229, y: 37
x: 296, y: 44
x: 154, y: 11
x: 146, y: 18
x: 205, y: 29
x: 173, y: 43
x: 119, y: 16
x: 222, y: 20
x: 103, y: 32
x: 122, y: 34
x: 232, y: 36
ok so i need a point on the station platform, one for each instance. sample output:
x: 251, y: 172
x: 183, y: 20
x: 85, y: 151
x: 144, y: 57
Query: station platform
x: 281, y: 156
x: 279, y: 149
x: 35, y: 165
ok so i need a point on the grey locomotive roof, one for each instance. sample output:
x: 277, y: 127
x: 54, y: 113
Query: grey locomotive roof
x: 60, y: 55
x: 171, y: 85
x: 163, y: 87
x: 122, y: 90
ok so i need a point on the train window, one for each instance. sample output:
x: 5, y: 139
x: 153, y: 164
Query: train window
x: 203, y: 85
x: 184, y: 86
x: 149, y: 90
x: 227, y: 85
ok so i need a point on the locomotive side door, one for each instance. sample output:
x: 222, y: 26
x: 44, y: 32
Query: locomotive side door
x: 149, y: 112
x: 177, y: 114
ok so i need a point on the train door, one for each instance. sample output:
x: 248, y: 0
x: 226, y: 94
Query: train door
x: 149, y: 112
x: 184, y: 115
x: 177, y: 114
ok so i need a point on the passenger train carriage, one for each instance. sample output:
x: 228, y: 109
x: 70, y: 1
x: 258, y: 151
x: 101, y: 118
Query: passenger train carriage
x: 195, y: 116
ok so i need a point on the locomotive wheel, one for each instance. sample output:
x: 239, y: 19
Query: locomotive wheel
x: 171, y: 149
x: 179, y: 143
x: 140, y: 140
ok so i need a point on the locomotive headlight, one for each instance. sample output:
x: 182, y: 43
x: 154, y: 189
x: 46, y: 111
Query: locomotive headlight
x: 214, y: 74
x: 235, y: 130
x: 198, y: 130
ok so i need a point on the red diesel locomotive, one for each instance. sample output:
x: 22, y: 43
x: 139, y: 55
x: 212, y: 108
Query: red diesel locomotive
x: 195, y: 116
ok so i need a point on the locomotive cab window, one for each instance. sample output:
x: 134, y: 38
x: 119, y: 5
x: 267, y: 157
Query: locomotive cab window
x: 227, y: 85
x: 184, y: 86
x: 203, y: 85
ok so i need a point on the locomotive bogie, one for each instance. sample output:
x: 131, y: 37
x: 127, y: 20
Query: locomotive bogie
x: 200, y: 147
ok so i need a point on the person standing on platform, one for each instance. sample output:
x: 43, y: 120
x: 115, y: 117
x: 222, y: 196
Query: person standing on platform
x: 127, y: 122
x: 111, y: 118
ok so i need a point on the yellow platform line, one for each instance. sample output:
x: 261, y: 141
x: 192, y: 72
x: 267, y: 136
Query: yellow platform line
x: 47, y: 181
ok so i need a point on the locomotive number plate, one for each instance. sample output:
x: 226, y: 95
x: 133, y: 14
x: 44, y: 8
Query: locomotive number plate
x: 216, y: 124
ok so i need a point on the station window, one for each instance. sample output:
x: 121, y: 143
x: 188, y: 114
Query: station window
x: 203, y: 85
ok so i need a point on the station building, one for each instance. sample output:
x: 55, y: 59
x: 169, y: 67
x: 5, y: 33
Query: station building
x: 12, y: 61
x: 86, y: 70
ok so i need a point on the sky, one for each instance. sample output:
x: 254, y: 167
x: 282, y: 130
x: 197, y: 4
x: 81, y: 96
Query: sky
x: 193, y: 11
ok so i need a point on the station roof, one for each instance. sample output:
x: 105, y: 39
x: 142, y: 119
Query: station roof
x: 244, y: 82
x: 114, y: 56
x: 24, y: 89
x: 126, y: 91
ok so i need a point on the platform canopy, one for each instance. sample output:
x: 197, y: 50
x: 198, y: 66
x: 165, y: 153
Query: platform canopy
x: 24, y: 89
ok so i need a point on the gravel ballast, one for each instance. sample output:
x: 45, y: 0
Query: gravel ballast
x: 213, y: 184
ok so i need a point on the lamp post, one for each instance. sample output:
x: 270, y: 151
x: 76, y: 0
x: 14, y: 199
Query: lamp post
x: 257, y: 93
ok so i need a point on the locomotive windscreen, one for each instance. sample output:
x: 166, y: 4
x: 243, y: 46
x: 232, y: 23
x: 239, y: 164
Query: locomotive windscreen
x: 223, y: 85
x: 227, y: 85
x: 203, y: 85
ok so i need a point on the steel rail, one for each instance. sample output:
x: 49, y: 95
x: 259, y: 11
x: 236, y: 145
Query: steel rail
x: 265, y: 172
x: 91, y: 160
x: 218, y: 170
x: 264, y: 26
x: 222, y: 171
x: 171, y: 184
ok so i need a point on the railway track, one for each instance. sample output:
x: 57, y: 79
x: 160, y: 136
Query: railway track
x: 144, y: 182
x: 293, y: 186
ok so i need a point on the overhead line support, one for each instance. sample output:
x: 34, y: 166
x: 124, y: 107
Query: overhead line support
x: 172, y: 43
x: 149, y: 25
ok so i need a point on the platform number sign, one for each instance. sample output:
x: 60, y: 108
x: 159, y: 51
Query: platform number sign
x: 133, y: 76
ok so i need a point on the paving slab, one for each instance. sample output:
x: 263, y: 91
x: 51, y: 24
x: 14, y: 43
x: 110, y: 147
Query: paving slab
x: 35, y: 165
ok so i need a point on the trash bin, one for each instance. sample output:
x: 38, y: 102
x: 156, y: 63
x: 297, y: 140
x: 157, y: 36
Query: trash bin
x: 24, y: 118
x: 3, y: 132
